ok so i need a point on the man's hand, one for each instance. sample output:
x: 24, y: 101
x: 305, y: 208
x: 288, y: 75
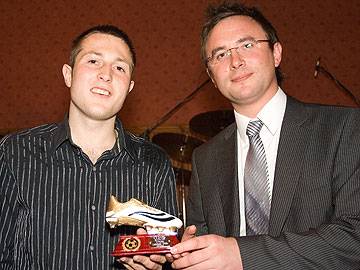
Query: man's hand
x: 207, y: 252
x: 189, y: 233
x: 140, y: 262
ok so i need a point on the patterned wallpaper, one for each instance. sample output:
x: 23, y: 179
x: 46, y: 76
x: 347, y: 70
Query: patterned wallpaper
x: 36, y: 36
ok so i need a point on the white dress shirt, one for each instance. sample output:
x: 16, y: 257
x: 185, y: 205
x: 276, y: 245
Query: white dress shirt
x: 271, y: 115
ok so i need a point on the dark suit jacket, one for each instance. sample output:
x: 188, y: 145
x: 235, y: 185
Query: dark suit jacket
x: 315, y: 210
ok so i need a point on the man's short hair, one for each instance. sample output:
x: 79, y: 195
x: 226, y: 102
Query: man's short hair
x: 103, y: 29
x: 215, y: 14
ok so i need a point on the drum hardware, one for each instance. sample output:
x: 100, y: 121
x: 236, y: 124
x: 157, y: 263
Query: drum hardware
x: 179, y: 147
x: 321, y: 69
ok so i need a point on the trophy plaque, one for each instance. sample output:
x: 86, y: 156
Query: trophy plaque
x: 161, y: 228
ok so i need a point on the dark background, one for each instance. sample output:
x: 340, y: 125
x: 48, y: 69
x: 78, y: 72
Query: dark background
x: 36, y: 36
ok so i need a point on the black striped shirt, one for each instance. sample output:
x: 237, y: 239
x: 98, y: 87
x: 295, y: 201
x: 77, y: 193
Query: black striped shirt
x: 53, y: 200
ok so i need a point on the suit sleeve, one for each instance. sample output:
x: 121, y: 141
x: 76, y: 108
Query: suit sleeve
x: 195, y: 212
x: 334, y: 244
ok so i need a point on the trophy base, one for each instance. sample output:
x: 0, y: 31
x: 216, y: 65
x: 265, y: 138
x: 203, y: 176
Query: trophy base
x: 130, y: 245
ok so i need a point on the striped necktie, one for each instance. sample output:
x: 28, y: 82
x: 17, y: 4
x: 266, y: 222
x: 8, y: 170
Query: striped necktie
x: 256, y: 181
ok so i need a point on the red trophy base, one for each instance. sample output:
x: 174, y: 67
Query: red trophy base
x: 130, y: 245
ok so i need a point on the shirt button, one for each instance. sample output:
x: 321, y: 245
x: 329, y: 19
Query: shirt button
x: 92, y: 248
x: 93, y: 207
x: 94, y: 169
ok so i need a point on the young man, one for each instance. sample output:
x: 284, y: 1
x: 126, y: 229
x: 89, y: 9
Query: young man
x: 288, y: 199
x: 56, y: 179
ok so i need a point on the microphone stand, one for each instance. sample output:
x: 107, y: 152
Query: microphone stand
x: 319, y: 68
x: 147, y: 131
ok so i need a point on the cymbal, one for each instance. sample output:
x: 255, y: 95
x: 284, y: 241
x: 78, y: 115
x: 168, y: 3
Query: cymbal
x: 178, y: 146
x: 208, y: 124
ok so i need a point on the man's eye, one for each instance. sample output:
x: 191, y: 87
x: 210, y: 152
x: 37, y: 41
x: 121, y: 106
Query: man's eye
x: 92, y: 61
x: 220, y: 55
x: 248, y: 45
x: 120, y: 69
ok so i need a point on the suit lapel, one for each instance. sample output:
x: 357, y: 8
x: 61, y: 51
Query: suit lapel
x: 291, y: 153
x: 228, y: 184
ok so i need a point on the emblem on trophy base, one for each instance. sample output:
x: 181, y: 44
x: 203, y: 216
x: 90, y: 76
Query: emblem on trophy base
x: 161, y: 228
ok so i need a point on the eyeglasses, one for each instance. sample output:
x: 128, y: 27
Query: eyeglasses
x: 245, y: 47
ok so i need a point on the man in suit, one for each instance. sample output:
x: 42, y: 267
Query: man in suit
x: 312, y: 157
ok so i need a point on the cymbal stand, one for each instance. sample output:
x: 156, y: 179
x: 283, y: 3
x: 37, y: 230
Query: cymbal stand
x: 319, y: 68
x: 182, y: 188
x: 147, y: 131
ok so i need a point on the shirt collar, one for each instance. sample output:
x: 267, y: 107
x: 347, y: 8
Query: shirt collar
x: 62, y: 134
x: 271, y: 115
x: 124, y: 140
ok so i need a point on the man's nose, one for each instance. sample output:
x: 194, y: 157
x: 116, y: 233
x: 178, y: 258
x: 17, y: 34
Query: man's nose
x: 236, y: 59
x: 105, y: 73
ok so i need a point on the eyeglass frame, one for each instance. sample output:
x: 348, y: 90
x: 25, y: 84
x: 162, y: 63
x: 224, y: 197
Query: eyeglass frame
x: 228, y: 52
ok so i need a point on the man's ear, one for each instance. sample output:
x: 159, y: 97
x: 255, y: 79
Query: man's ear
x: 208, y: 71
x: 131, y: 86
x: 277, y: 52
x: 67, y: 73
